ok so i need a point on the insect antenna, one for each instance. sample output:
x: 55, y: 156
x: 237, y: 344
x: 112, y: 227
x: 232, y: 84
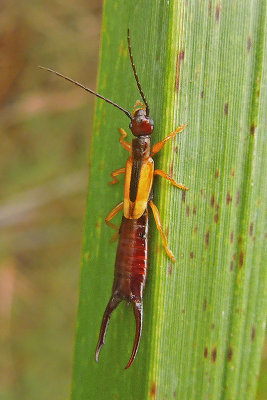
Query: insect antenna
x: 135, y: 74
x: 88, y: 90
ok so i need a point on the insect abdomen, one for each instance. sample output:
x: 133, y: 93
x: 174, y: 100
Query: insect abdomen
x: 129, y: 276
x: 132, y: 258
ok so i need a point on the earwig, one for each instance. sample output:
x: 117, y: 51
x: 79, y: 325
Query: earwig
x: 132, y: 253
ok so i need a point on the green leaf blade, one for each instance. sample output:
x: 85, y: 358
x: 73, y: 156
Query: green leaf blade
x: 203, y: 63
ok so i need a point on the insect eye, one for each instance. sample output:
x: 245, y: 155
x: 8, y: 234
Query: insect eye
x: 151, y: 123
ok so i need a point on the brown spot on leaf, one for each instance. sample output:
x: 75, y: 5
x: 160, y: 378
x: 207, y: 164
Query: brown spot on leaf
x: 209, y: 8
x: 252, y: 129
x: 249, y: 42
x: 251, y: 226
x: 233, y: 172
x: 213, y: 355
x: 216, y: 218
x: 153, y: 390
x: 207, y: 238
x: 206, y: 352
x: 232, y: 263
x: 232, y: 237
x: 234, y: 256
x: 183, y: 311
x: 202, y: 94
x: 228, y: 198
x: 216, y: 174
x: 195, y: 229
x: 180, y: 57
x: 204, y: 304
x: 238, y: 197
x: 202, y: 193
x: 218, y: 12
x: 187, y: 211
x: 241, y: 259
x: 176, y: 149
x: 194, y: 210
x: 212, y: 200
x: 253, y: 332
x: 226, y: 107
x: 212, y: 326
x: 170, y: 269
x: 171, y: 170
x: 230, y: 354
x: 191, y: 254
x: 183, y: 196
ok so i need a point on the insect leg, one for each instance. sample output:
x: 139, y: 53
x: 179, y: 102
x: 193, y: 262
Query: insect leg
x: 115, y: 173
x: 123, y: 142
x: 164, y: 175
x: 111, y: 215
x: 158, y: 146
x: 159, y: 226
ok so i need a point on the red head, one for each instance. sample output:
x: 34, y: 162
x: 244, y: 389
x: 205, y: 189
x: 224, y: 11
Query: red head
x: 141, y: 124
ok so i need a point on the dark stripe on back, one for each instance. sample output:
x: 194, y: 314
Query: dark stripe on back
x: 136, y: 169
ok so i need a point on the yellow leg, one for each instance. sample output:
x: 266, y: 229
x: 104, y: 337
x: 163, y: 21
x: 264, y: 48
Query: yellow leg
x: 123, y: 142
x: 164, y: 175
x: 158, y: 146
x: 111, y: 215
x: 159, y: 226
x: 115, y: 173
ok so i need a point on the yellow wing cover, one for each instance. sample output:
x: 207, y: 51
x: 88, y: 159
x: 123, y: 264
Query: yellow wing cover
x: 137, y: 186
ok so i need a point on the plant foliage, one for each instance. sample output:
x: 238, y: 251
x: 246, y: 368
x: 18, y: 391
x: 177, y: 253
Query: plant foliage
x: 204, y: 63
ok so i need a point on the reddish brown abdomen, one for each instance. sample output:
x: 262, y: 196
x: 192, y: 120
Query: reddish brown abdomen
x: 129, y: 277
x: 132, y: 259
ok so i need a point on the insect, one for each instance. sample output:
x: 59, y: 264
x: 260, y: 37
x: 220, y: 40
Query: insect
x: 132, y: 253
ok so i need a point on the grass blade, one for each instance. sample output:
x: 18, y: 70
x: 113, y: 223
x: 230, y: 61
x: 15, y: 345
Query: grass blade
x: 203, y: 63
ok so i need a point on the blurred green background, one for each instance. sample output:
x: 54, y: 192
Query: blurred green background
x: 45, y: 127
